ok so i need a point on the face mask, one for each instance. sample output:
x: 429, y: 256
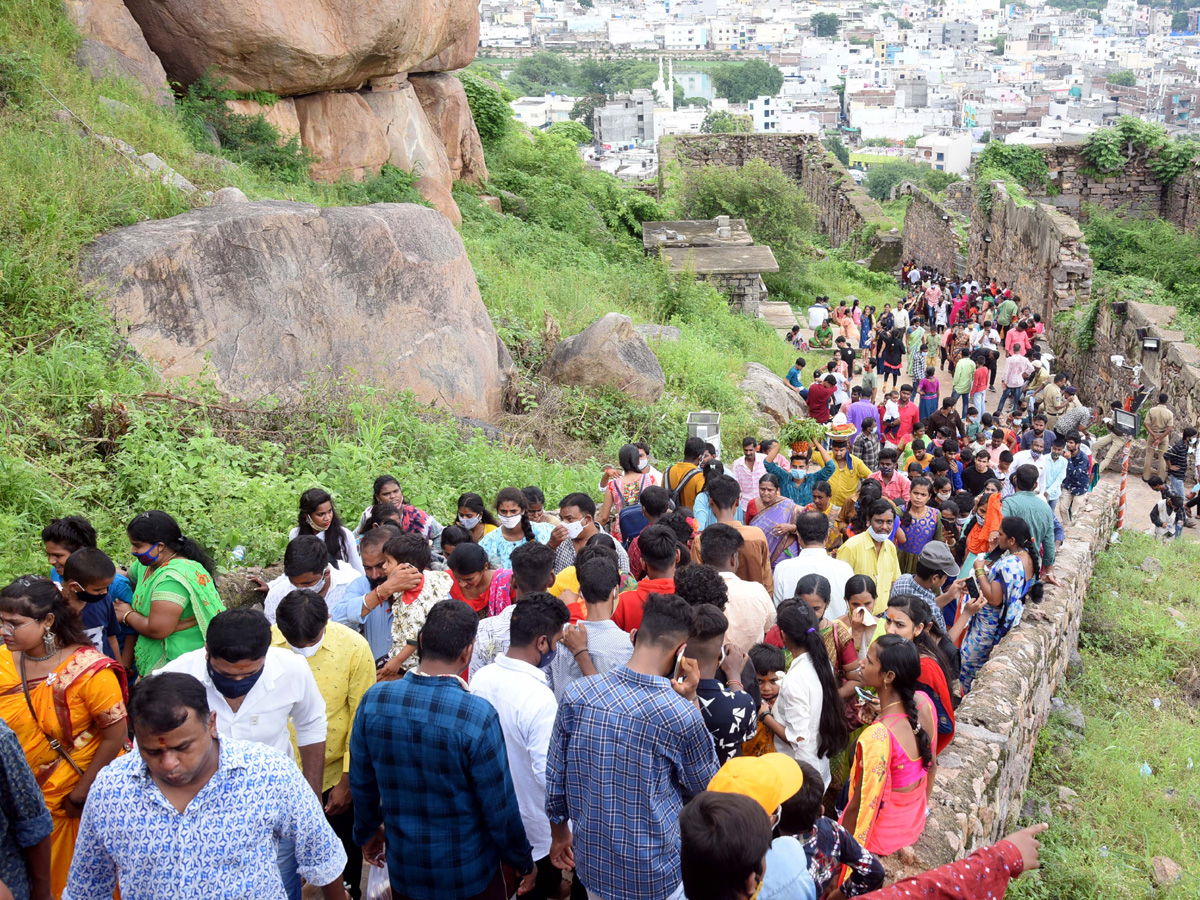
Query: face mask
x: 319, y: 586
x: 797, y: 475
x: 963, y: 520
x: 942, y: 498
x: 146, y: 559
x: 510, y: 522
x: 547, y: 657
x: 232, y: 687
x: 308, y: 652
x: 876, y: 536
x: 1034, y: 454
x: 642, y: 465
x: 574, y: 529
x: 469, y: 522
x: 84, y: 597
x: 314, y: 526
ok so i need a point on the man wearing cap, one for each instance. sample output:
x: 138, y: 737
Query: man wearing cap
x: 848, y: 472
x: 770, y: 780
x: 1055, y: 400
x: 936, y: 569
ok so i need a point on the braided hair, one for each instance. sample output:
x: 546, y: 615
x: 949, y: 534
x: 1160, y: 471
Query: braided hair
x: 929, y: 640
x: 1018, y: 529
x: 902, y: 659
x: 869, y: 491
x: 798, y: 623
x: 517, y: 496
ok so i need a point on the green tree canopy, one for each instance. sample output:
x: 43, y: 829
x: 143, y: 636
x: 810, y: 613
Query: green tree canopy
x: 883, y: 177
x: 724, y: 122
x: 835, y: 146
x: 825, y: 24
x: 1124, y: 78
x: 1179, y: 21
x: 742, y: 82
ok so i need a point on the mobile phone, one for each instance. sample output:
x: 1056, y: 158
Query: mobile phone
x: 678, y: 661
x: 863, y: 695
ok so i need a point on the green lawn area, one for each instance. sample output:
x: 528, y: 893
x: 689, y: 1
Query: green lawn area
x: 1135, y: 651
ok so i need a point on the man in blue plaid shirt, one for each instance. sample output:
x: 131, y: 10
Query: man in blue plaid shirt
x: 430, y: 779
x: 629, y: 749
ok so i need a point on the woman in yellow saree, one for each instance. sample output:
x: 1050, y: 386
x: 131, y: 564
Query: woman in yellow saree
x: 894, y: 765
x: 64, y: 700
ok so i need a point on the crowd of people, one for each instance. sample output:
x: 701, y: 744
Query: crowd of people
x: 713, y: 682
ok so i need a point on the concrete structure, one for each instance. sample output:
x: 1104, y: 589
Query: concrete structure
x: 959, y: 34
x: 765, y: 111
x: 626, y: 119
x: 718, y: 250
x: 946, y: 152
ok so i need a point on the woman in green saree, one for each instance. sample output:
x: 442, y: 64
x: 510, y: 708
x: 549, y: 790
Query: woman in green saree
x: 174, y: 591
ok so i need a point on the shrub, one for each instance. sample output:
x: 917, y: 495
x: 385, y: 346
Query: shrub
x: 491, y: 112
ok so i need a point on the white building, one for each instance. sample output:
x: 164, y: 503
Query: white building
x: 946, y: 152
x: 542, y: 112
x: 765, y: 113
x: 685, y: 36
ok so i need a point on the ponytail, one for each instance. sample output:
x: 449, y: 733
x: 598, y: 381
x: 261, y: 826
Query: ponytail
x: 799, y: 623
x: 900, y: 657
x: 156, y: 527
x: 1018, y: 529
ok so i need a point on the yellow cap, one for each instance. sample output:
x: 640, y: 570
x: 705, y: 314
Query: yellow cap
x: 769, y: 779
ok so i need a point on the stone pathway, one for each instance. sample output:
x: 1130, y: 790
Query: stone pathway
x: 778, y: 315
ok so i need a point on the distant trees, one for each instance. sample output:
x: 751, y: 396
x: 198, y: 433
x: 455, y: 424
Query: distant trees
x: 725, y: 122
x: 825, y: 24
x: 904, y: 24
x: 1179, y: 21
x: 584, y: 110
x: 835, y: 146
x: 998, y: 43
x: 883, y: 177
x: 1124, y: 78
x: 741, y: 83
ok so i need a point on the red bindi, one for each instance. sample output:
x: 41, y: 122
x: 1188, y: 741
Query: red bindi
x: 162, y: 742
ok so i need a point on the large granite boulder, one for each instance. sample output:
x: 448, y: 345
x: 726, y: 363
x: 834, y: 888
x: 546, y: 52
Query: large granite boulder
x: 292, y: 47
x: 412, y: 144
x: 445, y: 104
x: 271, y: 295
x: 343, y: 136
x: 113, y: 47
x: 457, y: 56
x: 772, y: 395
x: 608, y: 354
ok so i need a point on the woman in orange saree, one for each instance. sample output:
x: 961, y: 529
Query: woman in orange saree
x: 64, y: 700
x: 892, y: 776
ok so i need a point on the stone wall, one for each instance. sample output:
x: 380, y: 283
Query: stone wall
x: 1038, y: 250
x: 1182, y: 206
x: 844, y: 211
x: 1135, y: 190
x: 930, y: 234
x: 746, y: 291
x: 1174, y: 368
x: 983, y: 774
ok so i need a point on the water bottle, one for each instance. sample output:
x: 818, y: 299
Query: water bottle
x: 238, y: 553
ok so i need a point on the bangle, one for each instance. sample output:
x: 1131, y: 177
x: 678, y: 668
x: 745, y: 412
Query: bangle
x: 125, y: 618
x: 580, y: 650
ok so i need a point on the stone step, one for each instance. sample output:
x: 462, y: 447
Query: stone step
x: 779, y: 315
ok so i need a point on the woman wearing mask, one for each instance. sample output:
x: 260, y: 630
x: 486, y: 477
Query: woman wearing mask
x: 808, y: 718
x: 515, y: 529
x: 891, y: 781
x: 174, y: 591
x: 64, y: 700
x: 982, y: 621
x: 318, y: 516
x: 474, y: 516
x: 908, y: 616
x: 624, y: 490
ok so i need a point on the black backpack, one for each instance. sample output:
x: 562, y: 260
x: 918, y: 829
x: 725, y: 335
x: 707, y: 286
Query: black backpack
x: 675, y: 493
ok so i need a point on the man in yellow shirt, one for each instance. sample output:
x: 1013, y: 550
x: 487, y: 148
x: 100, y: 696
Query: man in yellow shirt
x: 341, y: 663
x: 848, y: 471
x: 873, y: 553
x: 685, y: 476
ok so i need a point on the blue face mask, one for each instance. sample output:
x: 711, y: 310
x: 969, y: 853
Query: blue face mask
x: 146, y: 559
x: 232, y: 687
x: 548, y: 657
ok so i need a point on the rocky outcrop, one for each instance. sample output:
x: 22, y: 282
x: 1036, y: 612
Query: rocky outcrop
x: 445, y: 104
x: 113, y: 47
x: 608, y: 354
x: 772, y: 395
x: 300, y: 46
x: 411, y: 142
x: 342, y: 134
x: 457, y: 56
x: 281, y: 114
x: 269, y: 296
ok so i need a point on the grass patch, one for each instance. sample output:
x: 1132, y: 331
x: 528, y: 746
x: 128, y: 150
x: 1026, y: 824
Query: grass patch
x: 1134, y: 651
x: 895, y: 210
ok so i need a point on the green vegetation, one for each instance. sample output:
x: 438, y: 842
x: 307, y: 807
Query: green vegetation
x: 825, y: 24
x: 896, y: 209
x: 1078, y: 5
x: 835, y: 146
x: 998, y: 43
x: 883, y: 177
x: 1140, y: 643
x: 724, y: 122
x: 1110, y: 150
x: 1023, y: 164
x: 489, y: 108
x: 741, y: 83
x: 1179, y: 21
x: 1123, y: 78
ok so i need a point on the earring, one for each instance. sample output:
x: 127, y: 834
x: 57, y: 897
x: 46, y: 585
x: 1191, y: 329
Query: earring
x: 49, y: 641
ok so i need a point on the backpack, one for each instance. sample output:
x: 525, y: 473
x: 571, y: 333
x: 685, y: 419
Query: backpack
x: 632, y: 518
x: 675, y: 494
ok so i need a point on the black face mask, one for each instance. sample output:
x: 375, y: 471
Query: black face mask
x: 232, y: 687
x: 84, y: 597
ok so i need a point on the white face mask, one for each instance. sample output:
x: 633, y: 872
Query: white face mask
x: 642, y: 464
x: 510, y: 522
x: 942, y: 498
x: 574, y: 529
x: 877, y: 536
x: 308, y: 652
x: 318, y: 587
x: 469, y: 522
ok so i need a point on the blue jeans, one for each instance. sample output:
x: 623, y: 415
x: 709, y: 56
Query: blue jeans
x: 1059, y: 532
x: 285, y: 858
x: 1014, y: 394
x: 979, y: 400
x: 1175, y: 482
x: 955, y: 396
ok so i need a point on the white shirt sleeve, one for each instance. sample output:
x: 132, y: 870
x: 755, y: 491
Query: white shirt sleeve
x: 308, y: 712
x: 352, y: 551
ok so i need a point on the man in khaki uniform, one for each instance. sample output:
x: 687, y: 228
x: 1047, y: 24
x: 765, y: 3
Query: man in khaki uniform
x: 1056, y: 402
x: 1159, y: 423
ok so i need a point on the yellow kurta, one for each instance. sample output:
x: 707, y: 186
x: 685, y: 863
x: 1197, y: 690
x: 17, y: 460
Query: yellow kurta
x: 844, y: 480
x: 884, y: 566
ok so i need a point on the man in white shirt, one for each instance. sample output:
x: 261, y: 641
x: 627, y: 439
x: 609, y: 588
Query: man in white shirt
x: 516, y: 685
x: 812, y: 528
x: 307, y: 567
x: 1054, y: 471
x: 1037, y: 457
x: 817, y: 313
x: 749, y: 610
x: 900, y: 317
x: 256, y: 690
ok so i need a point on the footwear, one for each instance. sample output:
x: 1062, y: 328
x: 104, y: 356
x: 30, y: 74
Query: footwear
x: 1190, y: 523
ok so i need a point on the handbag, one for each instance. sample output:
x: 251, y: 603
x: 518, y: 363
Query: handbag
x: 52, y: 741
